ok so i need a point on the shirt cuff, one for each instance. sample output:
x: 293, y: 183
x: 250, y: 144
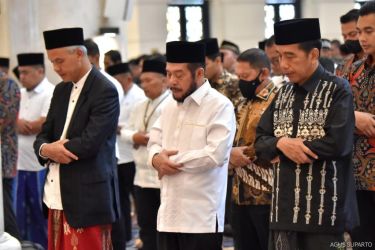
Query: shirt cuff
x: 127, y: 135
x: 151, y: 155
x: 40, y: 152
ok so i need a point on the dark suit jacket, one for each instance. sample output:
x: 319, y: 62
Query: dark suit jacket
x: 89, y: 186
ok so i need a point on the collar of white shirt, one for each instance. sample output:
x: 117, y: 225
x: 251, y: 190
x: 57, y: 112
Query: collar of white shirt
x: 200, y: 93
x: 81, y: 81
x: 41, y: 86
x: 131, y: 90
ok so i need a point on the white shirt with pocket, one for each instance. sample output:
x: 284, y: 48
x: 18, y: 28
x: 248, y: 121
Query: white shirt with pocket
x: 202, y: 129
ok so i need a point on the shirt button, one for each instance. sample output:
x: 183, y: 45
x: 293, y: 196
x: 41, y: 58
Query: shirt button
x: 51, y: 180
x: 73, y: 101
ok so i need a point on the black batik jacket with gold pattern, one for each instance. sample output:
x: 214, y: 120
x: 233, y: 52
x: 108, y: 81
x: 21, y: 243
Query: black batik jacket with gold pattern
x: 315, y: 197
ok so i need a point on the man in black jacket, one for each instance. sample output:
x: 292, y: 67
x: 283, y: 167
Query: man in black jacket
x: 77, y: 144
x: 308, y: 133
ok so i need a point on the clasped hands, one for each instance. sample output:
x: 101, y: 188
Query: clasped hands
x: 140, y: 139
x: 296, y: 150
x: 238, y: 158
x: 25, y: 127
x: 164, y: 165
x: 57, y: 152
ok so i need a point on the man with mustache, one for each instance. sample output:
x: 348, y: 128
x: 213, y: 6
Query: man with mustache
x: 189, y: 147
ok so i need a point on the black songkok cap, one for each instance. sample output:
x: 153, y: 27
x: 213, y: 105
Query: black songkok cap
x: 63, y: 37
x: 296, y: 31
x: 4, y: 62
x: 185, y: 52
x: 155, y: 66
x: 30, y: 59
x: 231, y: 46
x: 117, y: 69
x: 262, y: 44
x: 212, y: 46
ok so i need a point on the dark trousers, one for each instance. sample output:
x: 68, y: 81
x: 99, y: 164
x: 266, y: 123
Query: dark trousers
x: 30, y: 219
x: 290, y: 240
x: 366, y: 208
x: 147, y: 203
x: 250, y: 224
x: 189, y: 241
x: 10, y: 222
x: 122, y: 229
x: 228, y: 202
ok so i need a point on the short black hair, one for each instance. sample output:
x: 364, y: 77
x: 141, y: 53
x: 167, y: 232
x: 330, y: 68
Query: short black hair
x: 114, y: 55
x: 367, y: 9
x: 257, y: 58
x: 270, y: 41
x: 212, y: 57
x: 38, y: 66
x: 194, y: 66
x: 336, y: 42
x: 92, y: 47
x: 351, y: 16
x: 137, y: 61
x: 310, y: 45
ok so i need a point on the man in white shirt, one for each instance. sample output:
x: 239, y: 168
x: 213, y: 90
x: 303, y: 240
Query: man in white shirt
x: 189, y: 147
x: 146, y: 182
x: 35, y: 100
x: 121, y: 232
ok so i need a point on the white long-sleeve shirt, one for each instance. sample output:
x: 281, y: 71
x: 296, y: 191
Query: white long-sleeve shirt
x: 202, y: 129
x: 148, y: 112
x: 34, y: 105
x: 134, y: 95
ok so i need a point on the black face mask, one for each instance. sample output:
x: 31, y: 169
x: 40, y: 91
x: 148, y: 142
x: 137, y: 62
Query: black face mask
x: 248, y: 88
x: 351, y: 46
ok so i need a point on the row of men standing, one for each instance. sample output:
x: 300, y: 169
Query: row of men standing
x: 318, y: 112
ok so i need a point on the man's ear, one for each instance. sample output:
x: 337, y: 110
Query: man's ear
x: 218, y: 59
x: 315, y: 54
x: 199, y: 73
x: 129, y: 78
x: 265, y: 74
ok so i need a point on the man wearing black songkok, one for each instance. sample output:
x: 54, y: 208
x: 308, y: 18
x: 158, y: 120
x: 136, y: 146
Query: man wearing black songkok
x: 307, y: 132
x: 189, y: 147
x: 77, y: 144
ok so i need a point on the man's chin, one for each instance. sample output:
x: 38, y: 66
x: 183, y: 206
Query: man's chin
x: 179, y: 98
